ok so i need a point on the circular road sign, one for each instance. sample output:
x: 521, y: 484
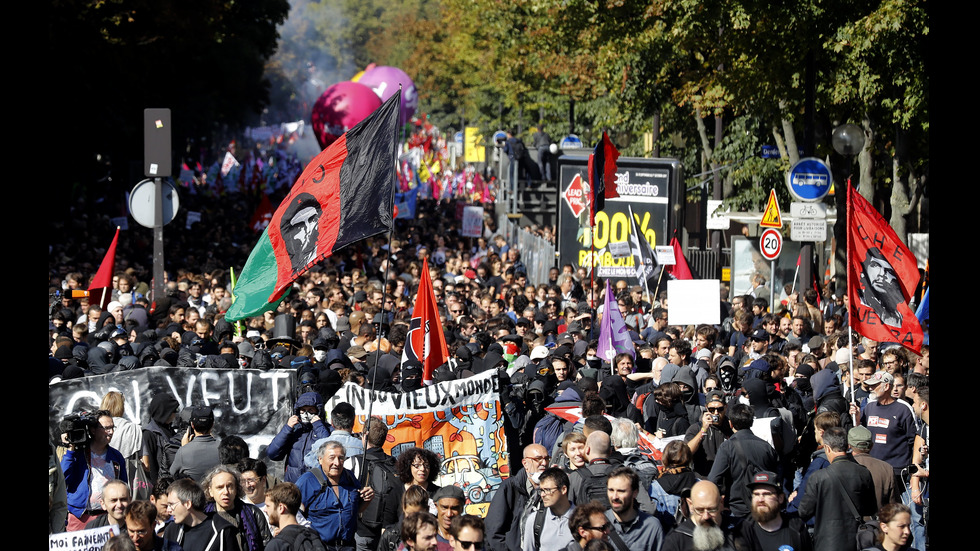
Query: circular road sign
x: 771, y: 243
x: 809, y: 179
x: 142, y: 201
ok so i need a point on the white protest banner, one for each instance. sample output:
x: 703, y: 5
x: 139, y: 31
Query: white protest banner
x: 693, y: 301
x: 92, y: 539
x: 472, y: 222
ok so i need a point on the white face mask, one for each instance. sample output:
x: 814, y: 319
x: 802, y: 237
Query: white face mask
x: 743, y: 399
x: 305, y: 417
x: 319, y: 355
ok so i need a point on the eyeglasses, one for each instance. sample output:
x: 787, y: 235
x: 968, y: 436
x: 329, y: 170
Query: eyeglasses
x: 138, y: 532
x: 420, y: 466
x: 547, y: 491
x: 716, y: 410
x: 604, y: 528
x: 250, y: 481
x: 110, y: 428
x: 456, y: 311
x: 538, y: 458
x: 705, y: 511
x: 467, y: 544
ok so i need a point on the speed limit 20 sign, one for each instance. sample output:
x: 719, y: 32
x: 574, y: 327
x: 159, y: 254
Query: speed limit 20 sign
x: 771, y: 243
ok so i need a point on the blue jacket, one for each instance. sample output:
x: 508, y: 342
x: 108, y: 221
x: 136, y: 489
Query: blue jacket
x: 76, y: 469
x: 292, y: 443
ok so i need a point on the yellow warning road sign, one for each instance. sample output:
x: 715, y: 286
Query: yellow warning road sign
x: 771, y: 217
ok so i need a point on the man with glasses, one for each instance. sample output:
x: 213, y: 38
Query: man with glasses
x: 770, y: 527
x: 632, y: 529
x: 705, y: 439
x: 588, y: 522
x: 192, y: 528
x: 508, y: 509
x: 547, y: 529
x: 141, y: 516
x: 703, y: 529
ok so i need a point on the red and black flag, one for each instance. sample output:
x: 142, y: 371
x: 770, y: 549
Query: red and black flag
x: 345, y: 194
x: 425, y: 342
x: 882, y: 275
x: 602, y: 176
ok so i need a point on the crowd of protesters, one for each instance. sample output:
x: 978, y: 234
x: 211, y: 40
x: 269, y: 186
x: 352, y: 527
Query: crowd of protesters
x: 756, y: 416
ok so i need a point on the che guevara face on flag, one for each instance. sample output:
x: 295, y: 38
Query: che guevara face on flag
x: 880, y: 288
x: 299, y: 229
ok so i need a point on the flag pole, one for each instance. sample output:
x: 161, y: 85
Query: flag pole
x: 850, y: 311
x: 384, y: 291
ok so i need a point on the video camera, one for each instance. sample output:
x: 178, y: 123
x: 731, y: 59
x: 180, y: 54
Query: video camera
x: 78, y: 428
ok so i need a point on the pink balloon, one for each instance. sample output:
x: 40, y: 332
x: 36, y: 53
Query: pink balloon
x: 384, y: 81
x: 340, y: 108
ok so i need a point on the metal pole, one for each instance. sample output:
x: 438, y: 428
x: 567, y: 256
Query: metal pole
x: 158, y: 284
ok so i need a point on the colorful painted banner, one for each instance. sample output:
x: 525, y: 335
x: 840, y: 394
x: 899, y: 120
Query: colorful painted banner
x: 460, y: 421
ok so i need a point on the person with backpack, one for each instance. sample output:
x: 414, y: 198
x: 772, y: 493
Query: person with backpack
x: 588, y: 482
x: 297, y: 436
x: 282, y: 504
x: 333, y: 498
x: 377, y: 470
x: 547, y: 529
x: 159, y: 443
x: 414, y: 500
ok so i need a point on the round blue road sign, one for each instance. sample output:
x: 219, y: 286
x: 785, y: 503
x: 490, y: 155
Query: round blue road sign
x: 809, y: 179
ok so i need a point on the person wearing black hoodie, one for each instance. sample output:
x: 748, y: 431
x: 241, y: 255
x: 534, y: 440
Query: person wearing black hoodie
x: 159, y: 444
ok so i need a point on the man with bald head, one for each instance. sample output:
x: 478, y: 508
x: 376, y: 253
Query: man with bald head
x: 704, y: 528
x: 588, y: 482
x: 515, y: 498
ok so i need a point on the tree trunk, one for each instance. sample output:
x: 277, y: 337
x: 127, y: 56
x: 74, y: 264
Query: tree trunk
x: 866, y: 186
x: 899, y: 201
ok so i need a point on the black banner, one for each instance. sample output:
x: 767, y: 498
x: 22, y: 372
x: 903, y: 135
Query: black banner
x: 249, y: 403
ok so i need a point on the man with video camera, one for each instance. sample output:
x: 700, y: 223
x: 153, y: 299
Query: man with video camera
x: 89, y: 463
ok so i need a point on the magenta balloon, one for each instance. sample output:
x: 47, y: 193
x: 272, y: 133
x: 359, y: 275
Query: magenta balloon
x: 340, y: 108
x: 384, y: 81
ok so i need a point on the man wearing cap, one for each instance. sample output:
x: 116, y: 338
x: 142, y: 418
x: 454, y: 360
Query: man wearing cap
x: 705, y: 438
x: 891, y: 422
x: 759, y: 346
x: 449, y: 501
x: 860, y: 440
x: 198, y: 451
x: 770, y: 527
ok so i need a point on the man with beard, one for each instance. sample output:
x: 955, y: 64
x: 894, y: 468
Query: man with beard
x: 702, y: 530
x: 771, y: 529
x: 632, y: 529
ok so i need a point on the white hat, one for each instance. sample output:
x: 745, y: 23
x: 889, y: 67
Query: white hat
x: 539, y: 352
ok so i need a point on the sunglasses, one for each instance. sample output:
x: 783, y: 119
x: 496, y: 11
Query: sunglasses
x: 467, y: 544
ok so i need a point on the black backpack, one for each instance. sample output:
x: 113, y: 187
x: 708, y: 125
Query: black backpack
x: 166, y: 450
x: 594, y: 486
x: 383, y: 510
x: 301, y: 538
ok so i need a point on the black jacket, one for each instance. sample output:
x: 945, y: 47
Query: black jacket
x: 503, y: 520
x: 737, y: 460
x: 836, y: 525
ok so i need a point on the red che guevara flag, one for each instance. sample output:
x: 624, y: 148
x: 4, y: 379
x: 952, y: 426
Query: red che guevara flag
x: 426, y: 342
x: 345, y: 194
x: 100, y: 290
x: 881, y: 276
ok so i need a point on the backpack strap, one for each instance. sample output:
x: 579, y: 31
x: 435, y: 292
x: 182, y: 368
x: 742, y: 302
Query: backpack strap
x: 618, y: 541
x: 538, y: 526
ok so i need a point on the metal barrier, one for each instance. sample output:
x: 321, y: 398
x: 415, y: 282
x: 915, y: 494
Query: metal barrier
x: 706, y: 263
x: 537, y: 253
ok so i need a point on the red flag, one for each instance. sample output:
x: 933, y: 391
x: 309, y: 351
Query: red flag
x: 602, y: 176
x: 425, y: 342
x: 680, y: 270
x: 262, y: 215
x: 882, y: 275
x: 101, y: 288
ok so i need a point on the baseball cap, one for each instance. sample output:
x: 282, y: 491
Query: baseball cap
x: 202, y: 414
x: 880, y: 376
x: 539, y: 352
x: 760, y: 334
x: 451, y: 491
x: 714, y: 396
x: 859, y: 437
x: 765, y: 478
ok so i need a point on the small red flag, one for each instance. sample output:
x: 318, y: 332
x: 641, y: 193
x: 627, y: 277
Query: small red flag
x: 882, y: 275
x: 680, y: 270
x: 101, y: 288
x: 602, y: 176
x: 426, y: 342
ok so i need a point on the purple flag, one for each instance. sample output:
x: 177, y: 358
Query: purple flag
x: 614, y: 337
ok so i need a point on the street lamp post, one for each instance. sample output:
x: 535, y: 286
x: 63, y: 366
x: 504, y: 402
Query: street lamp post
x: 848, y: 140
